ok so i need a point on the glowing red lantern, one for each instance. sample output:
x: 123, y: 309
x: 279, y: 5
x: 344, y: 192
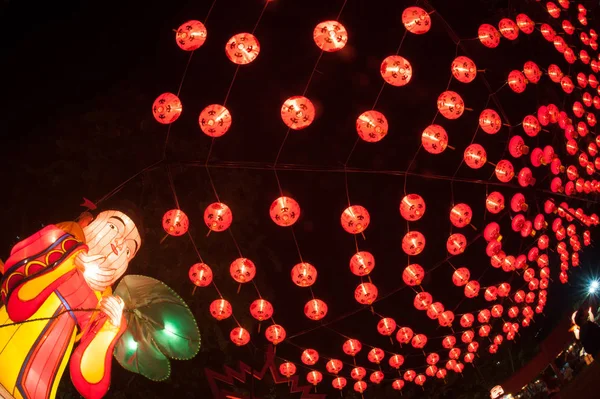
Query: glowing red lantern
x: 261, y: 309
x: 190, y: 35
x: 434, y: 139
x: 490, y: 121
x: 309, y: 357
x: 567, y: 84
x: 504, y: 171
x: 339, y: 383
x: 490, y: 294
x: 488, y: 36
x: 531, y: 125
x: 239, y: 336
x: 404, y: 335
x: 525, y: 24
x: 553, y: 9
x: 532, y: 72
x: 242, y: 270
x: 396, y: 70
x: 214, y: 120
x: 355, y: 219
x: 484, y: 316
x: 376, y: 355
x: 396, y: 361
x: 472, y: 289
x: 494, y: 203
x: 297, y: 112
x: 456, y: 244
x: 416, y: 20
x: 275, y: 334
x: 412, y: 207
x: 242, y: 48
x: 386, y: 326
x: 365, y: 293
x: 449, y: 341
x: 284, y: 211
x: 460, y: 215
x: 166, y: 108
x: 450, y: 104
x: 362, y: 263
x: 420, y: 379
x: 352, y: 347
x: 434, y: 310
x: 398, y: 385
x: 492, y: 232
x: 175, y: 222
x: 304, y: 274
x: 431, y: 370
x: 419, y: 341
x: 220, y: 309
x: 218, y: 216
x: 475, y: 156
x: 547, y: 32
x: 358, y: 373
x: 461, y: 276
x: 314, y: 377
x: 287, y: 369
x: 315, y: 309
x: 484, y: 330
x: 517, y: 81
x: 466, y: 337
x: 413, y: 243
x: 422, y: 300
x: 200, y: 274
x: 497, y: 310
x: 413, y: 275
x: 463, y: 69
x: 330, y: 36
x: 517, y: 147
x: 508, y: 28
x: 493, y: 348
x: 467, y: 320
x: 372, y: 126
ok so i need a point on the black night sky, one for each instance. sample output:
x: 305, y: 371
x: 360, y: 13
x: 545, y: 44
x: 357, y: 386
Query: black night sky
x: 79, y: 82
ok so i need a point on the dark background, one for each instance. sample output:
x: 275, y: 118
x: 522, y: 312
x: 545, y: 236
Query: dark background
x: 78, y: 86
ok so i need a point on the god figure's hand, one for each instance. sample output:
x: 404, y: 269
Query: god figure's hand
x: 113, y: 307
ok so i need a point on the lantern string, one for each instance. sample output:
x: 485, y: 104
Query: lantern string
x: 296, y: 242
x: 231, y: 85
x: 172, y: 185
x: 194, y: 246
x: 235, y: 242
x: 262, y: 12
x: 124, y: 183
x: 256, y: 289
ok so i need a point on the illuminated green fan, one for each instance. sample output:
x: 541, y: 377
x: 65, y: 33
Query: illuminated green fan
x: 159, y: 326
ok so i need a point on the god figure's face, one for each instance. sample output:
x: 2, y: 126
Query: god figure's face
x: 113, y: 240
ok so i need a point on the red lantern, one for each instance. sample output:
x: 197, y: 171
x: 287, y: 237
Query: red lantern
x: 214, y: 120
x: 413, y: 275
x: 504, y: 171
x: 484, y: 330
x: 330, y: 36
x: 358, y: 373
x: 456, y: 244
x: 362, y: 263
x: 409, y: 375
x: 492, y: 232
x: 413, y: 243
x: 525, y: 23
x: 532, y: 72
x: 517, y: 147
x: 352, y: 347
x: 239, y: 336
x: 386, y: 326
x: 398, y: 385
x: 376, y: 355
x: 304, y: 274
x: 490, y: 121
x: 396, y: 70
x: 460, y: 215
x: 475, y: 156
x: 461, y: 276
x: 220, y: 309
x: 467, y: 337
x: 355, y: 219
x: 315, y: 309
x: 372, y: 126
x: 416, y: 20
x: 419, y: 341
x: 567, y: 84
x: 484, y: 316
x: 431, y: 370
x: 531, y: 125
x: 434, y: 139
x: 490, y: 294
x: 493, y: 348
x: 275, y: 334
x: 309, y: 357
x: 365, y: 293
x: 242, y: 270
x: 360, y: 386
x: 297, y: 112
x: 434, y: 310
x: 412, y: 207
x: 503, y: 290
x: 472, y: 289
x: 339, y: 383
x: 200, y: 274
x: 420, y: 379
x: 494, y: 203
x: 441, y: 374
x: 175, y: 222
x: 284, y: 211
x: 450, y: 104
x: 508, y: 28
x: 242, y: 48
x: 261, y: 309
x: 287, y: 369
x: 396, y: 361
x: 489, y: 36
x: 449, y: 341
x: 467, y: 320
x: 497, y: 310
x: 404, y: 335
x: 314, y: 377
x: 517, y: 81
x: 218, y: 217
x: 463, y: 69
x: 553, y: 9
x: 190, y: 35
x: 334, y: 366
x: 525, y: 177
x: 166, y: 108
x: 422, y: 300
x: 547, y: 32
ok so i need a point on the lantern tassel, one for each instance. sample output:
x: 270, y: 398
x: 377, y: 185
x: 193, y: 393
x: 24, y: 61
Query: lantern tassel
x: 207, y: 234
x: 239, y: 288
x: 363, y: 235
x: 391, y: 340
x: 481, y: 70
x: 474, y: 228
x: 194, y: 290
x: 493, y: 164
x: 259, y: 323
x: 163, y: 239
x: 369, y: 278
x: 372, y: 310
x: 452, y: 148
x: 468, y: 109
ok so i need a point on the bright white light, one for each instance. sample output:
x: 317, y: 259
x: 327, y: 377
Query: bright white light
x: 594, y: 285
